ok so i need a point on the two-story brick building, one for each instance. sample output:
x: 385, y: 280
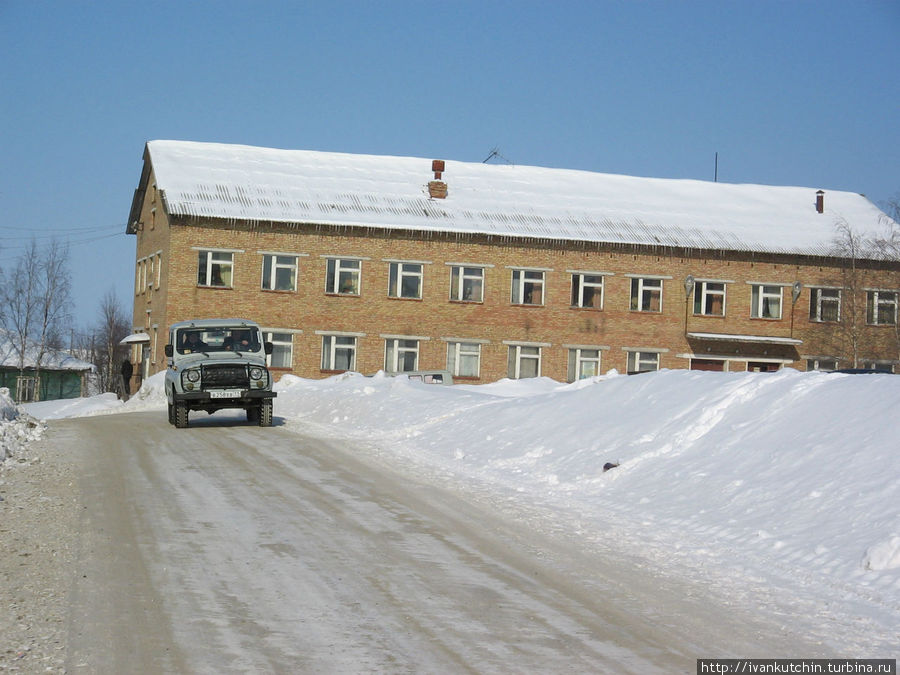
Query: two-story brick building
x: 367, y: 263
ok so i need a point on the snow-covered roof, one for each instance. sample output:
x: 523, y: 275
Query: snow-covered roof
x: 211, y: 180
x: 52, y: 359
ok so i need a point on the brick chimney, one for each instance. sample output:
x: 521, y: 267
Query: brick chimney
x: 820, y: 201
x: 437, y: 189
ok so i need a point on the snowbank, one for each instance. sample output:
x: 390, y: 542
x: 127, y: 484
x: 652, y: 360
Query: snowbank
x: 17, y: 430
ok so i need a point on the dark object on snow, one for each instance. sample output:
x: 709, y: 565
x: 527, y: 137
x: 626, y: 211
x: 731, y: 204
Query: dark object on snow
x: 608, y: 466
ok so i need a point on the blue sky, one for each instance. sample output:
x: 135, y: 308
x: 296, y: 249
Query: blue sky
x: 787, y: 93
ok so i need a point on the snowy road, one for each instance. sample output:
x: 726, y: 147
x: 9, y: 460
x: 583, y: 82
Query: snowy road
x: 226, y: 547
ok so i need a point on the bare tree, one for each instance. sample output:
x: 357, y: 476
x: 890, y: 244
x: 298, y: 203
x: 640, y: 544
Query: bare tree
x: 53, y: 301
x: 849, y: 246
x: 19, y: 299
x: 35, y: 298
x: 113, y: 325
x: 856, y: 311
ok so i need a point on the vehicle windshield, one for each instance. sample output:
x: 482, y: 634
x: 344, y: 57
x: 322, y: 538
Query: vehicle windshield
x: 219, y: 339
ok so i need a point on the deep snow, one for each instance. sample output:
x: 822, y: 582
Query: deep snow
x: 777, y: 489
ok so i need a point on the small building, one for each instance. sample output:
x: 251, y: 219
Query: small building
x: 367, y: 263
x: 60, y: 376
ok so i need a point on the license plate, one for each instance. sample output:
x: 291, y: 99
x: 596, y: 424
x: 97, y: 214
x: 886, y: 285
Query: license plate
x: 225, y: 393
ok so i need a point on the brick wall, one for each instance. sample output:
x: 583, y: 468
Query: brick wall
x: 496, y: 319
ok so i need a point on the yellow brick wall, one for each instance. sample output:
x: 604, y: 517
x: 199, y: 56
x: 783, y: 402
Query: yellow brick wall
x: 496, y: 320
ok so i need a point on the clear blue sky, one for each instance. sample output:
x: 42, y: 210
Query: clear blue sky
x: 788, y: 93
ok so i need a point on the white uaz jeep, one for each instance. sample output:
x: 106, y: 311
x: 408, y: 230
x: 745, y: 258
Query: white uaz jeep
x: 216, y: 364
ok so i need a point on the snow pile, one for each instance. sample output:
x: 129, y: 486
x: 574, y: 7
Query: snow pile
x: 795, y: 471
x: 16, y: 429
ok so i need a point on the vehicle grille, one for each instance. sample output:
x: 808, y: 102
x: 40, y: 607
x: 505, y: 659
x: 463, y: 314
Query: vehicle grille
x: 215, y: 376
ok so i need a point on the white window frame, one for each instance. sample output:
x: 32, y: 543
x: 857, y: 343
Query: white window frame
x: 580, y: 283
x: 518, y: 355
x: 158, y: 268
x: 289, y: 261
x: 759, y: 294
x: 401, y: 271
x: 269, y: 335
x: 578, y: 358
x: 224, y: 265
x: 336, y: 267
x: 525, y: 281
x: 645, y: 284
x: 638, y: 358
x: 394, y: 350
x: 816, y: 303
x: 704, y: 294
x: 332, y: 343
x: 459, y: 276
x: 816, y: 363
x: 877, y: 299
x: 457, y: 350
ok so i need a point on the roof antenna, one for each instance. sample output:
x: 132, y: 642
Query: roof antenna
x: 495, y: 152
x: 716, y: 175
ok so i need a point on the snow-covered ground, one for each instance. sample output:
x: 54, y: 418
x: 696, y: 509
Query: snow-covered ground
x: 783, y: 487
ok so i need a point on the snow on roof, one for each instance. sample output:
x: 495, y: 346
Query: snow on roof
x: 52, y: 359
x: 239, y: 182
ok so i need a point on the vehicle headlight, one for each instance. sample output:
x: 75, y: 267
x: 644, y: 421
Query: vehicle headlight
x: 256, y: 373
x: 193, y: 375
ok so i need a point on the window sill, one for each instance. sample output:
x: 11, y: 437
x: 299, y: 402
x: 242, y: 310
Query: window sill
x: 766, y: 318
x: 343, y: 295
x: 397, y: 297
x: 586, y: 309
x: 215, y: 288
x: 523, y: 304
x: 466, y: 302
x: 279, y: 290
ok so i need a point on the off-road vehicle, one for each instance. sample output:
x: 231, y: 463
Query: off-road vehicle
x: 216, y: 364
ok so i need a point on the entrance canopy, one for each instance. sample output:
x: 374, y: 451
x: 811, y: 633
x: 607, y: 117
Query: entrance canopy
x: 135, y: 338
x: 760, y: 348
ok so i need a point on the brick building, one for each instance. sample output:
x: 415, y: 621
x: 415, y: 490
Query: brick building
x: 366, y: 263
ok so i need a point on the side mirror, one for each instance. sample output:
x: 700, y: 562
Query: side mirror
x: 168, y: 351
x: 267, y: 346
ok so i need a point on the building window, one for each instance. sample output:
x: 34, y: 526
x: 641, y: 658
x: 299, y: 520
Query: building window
x: 464, y: 359
x: 826, y: 363
x: 646, y: 294
x: 880, y: 366
x: 405, y: 280
x: 881, y: 308
x: 587, y: 290
x: 279, y: 272
x: 339, y: 352
x: 158, y: 269
x: 642, y: 362
x: 527, y: 287
x: 214, y: 268
x: 524, y: 361
x: 825, y: 304
x: 343, y: 276
x: 401, y: 355
x: 765, y: 302
x: 467, y: 283
x: 282, y: 349
x: 709, y: 298
x: 583, y: 363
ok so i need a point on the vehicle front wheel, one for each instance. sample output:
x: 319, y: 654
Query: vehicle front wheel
x: 265, y: 413
x: 171, y: 413
x: 181, y: 416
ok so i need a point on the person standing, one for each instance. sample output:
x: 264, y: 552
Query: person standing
x: 127, y: 372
